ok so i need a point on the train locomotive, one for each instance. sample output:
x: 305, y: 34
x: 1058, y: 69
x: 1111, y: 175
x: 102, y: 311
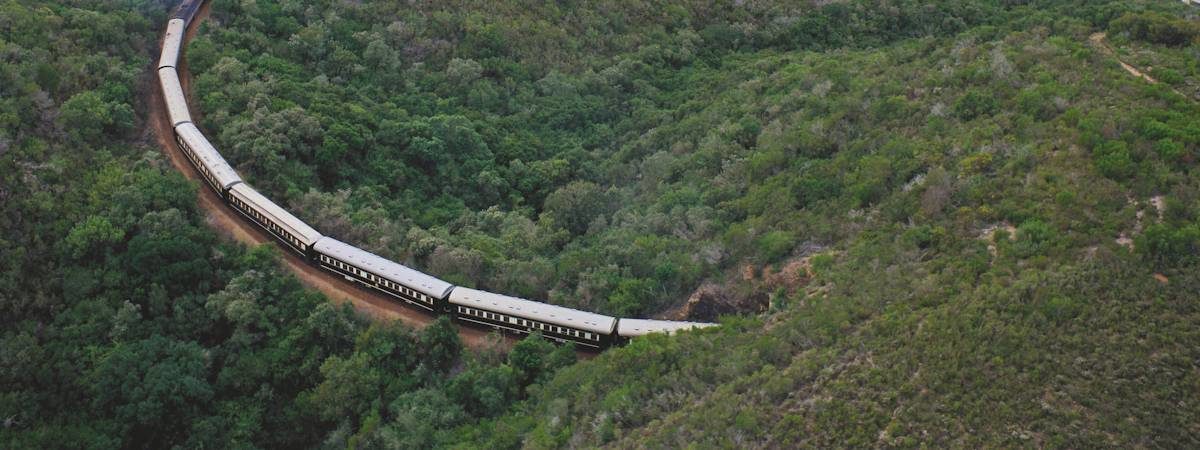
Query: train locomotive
x: 465, y: 305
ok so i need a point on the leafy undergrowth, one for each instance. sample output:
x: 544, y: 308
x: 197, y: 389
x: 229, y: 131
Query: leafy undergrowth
x: 935, y: 324
x: 1001, y: 223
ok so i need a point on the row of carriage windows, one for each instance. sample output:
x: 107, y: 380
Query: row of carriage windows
x: 532, y: 325
x: 196, y: 161
x: 270, y: 224
x: 372, y: 277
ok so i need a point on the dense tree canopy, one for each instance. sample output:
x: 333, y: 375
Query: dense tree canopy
x: 920, y: 195
x: 128, y: 324
x: 944, y: 223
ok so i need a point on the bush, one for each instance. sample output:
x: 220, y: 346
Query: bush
x: 1034, y: 237
x: 924, y: 236
x: 775, y: 245
x: 1169, y: 150
x: 1060, y: 309
x: 975, y: 103
x: 1113, y: 160
x: 1166, y: 246
x: 821, y: 263
x: 1156, y: 28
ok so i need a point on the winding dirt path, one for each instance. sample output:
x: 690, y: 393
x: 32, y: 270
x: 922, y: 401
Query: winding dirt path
x: 1098, y: 40
x: 229, y: 223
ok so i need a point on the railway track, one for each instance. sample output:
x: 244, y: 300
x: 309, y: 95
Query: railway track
x: 311, y: 254
x: 229, y: 223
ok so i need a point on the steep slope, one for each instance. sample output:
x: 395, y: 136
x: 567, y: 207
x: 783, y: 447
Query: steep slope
x: 997, y: 223
x: 928, y: 321
x: 128, y: 323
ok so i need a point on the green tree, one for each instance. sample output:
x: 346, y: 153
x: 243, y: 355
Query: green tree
x: 574, y: 206
x: 85, y: 116
x: 92, y: 237
x: 975, y: 103
x: 152, y: 388
x: 440, y: 344
x: 349, y: 387
x: 1167, y: 246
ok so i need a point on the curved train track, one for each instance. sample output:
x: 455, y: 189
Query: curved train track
x: 223, y: 219
x: 388, y: 283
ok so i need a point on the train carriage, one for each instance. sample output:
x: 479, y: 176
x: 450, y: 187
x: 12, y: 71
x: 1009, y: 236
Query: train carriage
x: 212, y: 167
x: 525, y: 316
x: 379, y: 273
x: 631, y: 328
x: 488, y: 309
x: 188, y: 9
x: 172, y: 42
x: 177, y: 107
x: 299, y: 236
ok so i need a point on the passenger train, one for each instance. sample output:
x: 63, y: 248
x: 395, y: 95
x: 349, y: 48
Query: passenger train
x: 470, y: 306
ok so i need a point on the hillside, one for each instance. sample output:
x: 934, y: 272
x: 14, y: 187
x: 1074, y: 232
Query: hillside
x: 127, y: 322
x: 952, y: 224
x: 943, y: 224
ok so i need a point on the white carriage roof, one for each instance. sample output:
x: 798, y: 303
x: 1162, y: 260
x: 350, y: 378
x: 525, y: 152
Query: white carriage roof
x: 177, y: 106
x: 557, y: 315
x: 641, y: 327
x: 208, y: 155
x: 171, y: 44
x: 382, y: 267
x: 280, y: 216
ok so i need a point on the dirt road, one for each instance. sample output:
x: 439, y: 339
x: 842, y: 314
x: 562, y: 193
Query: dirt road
x: 1098, y: 40
x: 229, y: 223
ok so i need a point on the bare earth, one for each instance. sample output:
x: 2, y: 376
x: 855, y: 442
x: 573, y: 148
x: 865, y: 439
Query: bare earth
x: 229, y: 223
x: 1098, y: 39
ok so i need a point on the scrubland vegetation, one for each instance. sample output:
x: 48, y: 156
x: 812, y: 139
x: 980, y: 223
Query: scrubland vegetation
x: 999, y: 224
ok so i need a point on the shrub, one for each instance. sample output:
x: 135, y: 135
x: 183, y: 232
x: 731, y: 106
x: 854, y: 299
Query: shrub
x: 1034, y: 237
x: 975, y: 103
x: 1169, y: 150
x: 1059, y: 309
x: 821, y: 263
x: 775, y: 245
x: 1166, y: 246
x: 1113, y: 160
x: 1156, y: 28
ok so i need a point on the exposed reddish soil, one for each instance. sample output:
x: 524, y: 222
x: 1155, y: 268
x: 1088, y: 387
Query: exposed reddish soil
x: 229, y: 223
x: 711, y: 300
x: 1098, y: 40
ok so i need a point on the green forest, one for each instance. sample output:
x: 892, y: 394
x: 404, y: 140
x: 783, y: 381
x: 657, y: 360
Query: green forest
x: 920, y: 223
